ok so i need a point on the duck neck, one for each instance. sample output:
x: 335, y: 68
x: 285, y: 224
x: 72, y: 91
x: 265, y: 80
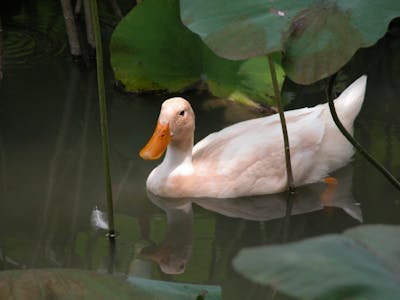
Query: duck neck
x: 179, y: 156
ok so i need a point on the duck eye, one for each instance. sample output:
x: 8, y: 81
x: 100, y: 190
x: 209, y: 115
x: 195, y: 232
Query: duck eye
x: 182, y: 113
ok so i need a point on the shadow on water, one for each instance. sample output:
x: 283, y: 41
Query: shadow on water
x: 51, y: 177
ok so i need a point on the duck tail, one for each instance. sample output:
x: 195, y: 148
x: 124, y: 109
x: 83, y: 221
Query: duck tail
x: 349, y: 103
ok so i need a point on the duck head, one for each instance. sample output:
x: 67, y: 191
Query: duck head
x: 175, y: 127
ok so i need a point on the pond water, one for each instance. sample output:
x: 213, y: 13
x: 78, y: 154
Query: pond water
x: 51, y: 176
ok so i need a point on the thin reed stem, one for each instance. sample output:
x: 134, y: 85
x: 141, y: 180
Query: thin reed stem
x: 103, y: 118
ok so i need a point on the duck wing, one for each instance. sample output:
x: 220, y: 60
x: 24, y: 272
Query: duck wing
x: 250, y: 155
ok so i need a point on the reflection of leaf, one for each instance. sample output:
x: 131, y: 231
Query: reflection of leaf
x: 318, y: 37
x: 177, y: 291
x: 152, y: 50
x: 77, y: 284
x: 364, y: 263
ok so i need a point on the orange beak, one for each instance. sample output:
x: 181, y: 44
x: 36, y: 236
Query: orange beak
x: 157, y: 144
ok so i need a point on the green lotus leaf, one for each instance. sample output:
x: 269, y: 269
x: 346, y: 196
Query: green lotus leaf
x: 317, y: 37
x: 362, y: 263
x: 62, y: 284
x: 152, y: 50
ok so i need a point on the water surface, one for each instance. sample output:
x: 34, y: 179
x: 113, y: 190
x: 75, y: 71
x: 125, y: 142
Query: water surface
x: 51, y: 177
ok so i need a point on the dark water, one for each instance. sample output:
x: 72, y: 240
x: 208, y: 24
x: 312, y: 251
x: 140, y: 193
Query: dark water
x: 51, y: 175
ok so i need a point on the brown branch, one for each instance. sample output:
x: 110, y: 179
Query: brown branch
x: 71, y: 29
x: 78, y: 7
x: 89, y: 24
x: 116, y: 9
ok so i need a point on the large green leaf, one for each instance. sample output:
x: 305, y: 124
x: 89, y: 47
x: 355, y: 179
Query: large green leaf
x: 152, y: 50
x: 363, y: 263
x: 318, y: 37
x: 84, y: 285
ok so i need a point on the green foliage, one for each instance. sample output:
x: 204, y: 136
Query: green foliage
x: 317, y: 37
x: 77, y: 284
x: 152, y: 50
x: 362, y: 263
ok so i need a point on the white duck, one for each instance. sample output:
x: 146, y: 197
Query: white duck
x: 247, y: 158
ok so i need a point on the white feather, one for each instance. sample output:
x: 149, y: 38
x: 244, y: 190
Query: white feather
x: 99, y: 219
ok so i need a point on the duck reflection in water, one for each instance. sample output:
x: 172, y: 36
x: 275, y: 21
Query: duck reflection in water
x: 173, y: 253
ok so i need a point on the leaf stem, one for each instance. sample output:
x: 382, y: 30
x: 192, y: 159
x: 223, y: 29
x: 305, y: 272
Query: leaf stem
x: 70, y: 26
x: 290, y: 181
x: 103, y: 118
x: 353, y: 141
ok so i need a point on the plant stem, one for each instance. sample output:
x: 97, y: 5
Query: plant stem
x: 353, y: 141
x: 89, y: 24
x: 286, y: 220
x: 1, y: 50
x: 103, y: 118
x: 290, y: 181
x: 116, y: 9
x: 70, y: 26
x: 78, y: 7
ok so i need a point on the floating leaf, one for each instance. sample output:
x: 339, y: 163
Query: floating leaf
x: 77, y: 284
x: 317, y: 37
x: 362, y: 263
x: 152, y: 50
x: 63, y: 284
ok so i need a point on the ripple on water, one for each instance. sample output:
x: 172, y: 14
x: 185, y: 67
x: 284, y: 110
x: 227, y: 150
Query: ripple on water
x: 21, y: 47
x: 32, y: 35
